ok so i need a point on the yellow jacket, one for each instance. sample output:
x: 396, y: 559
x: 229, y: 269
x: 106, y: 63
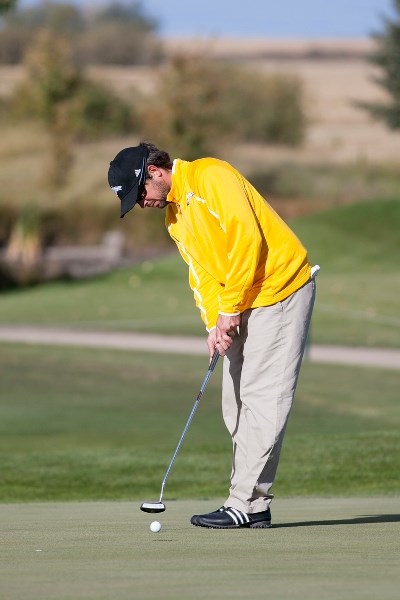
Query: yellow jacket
x: 240, y: 253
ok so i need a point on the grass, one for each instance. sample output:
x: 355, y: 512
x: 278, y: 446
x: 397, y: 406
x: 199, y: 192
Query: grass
x: 357, y: 298
x: 358, y: 237
x: 327, y: 184
x: 91, y: 425
x: 153, y: 296
x: 318, y: 549
x: 358, y: 290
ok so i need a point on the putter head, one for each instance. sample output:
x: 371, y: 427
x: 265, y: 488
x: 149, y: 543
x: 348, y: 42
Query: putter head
x: 152, y: 507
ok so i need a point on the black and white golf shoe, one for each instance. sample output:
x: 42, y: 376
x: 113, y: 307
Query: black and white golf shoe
x: 232, y: 518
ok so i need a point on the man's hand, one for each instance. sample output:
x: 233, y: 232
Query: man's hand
x: 222, y: 336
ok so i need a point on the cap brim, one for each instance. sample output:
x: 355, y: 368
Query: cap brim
x: 129, y: 201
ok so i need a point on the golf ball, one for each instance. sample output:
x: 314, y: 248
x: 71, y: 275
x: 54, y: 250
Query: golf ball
x: 155, y: 526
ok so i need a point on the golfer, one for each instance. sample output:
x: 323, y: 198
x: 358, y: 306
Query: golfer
x: 255, y: 289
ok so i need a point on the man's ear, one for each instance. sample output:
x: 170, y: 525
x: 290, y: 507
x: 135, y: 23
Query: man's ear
x: 152, y: 171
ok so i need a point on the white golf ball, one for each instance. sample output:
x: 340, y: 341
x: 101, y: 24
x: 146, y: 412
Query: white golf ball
x: 155, y: 526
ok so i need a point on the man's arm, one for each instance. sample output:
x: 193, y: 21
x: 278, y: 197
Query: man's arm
x: 225, y: 196
x: 205, y: 289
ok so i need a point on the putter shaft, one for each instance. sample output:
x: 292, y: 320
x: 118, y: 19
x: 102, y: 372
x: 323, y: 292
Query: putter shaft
x: 156, y: 506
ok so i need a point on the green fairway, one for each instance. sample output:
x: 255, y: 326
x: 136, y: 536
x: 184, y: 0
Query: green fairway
x: 359, y: 287
x: 357, y: 297
x: 81, y: 424
x: 318, y: 549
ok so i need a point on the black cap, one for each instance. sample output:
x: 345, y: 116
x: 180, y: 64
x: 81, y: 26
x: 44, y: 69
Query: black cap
x: 127, y: 174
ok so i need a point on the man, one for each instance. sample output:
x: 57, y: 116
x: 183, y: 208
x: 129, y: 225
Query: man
x: 255, y: 290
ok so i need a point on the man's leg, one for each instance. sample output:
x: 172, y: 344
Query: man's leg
x: 259, y: 381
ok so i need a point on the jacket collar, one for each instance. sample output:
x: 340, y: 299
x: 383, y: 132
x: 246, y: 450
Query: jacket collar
x: 179, y: 176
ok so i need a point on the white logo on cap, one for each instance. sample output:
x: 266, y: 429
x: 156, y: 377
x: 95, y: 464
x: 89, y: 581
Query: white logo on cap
x: 137, y: 172
x: 117, y: 188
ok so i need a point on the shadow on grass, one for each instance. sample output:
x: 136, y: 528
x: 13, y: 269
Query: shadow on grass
x: 356, y: 521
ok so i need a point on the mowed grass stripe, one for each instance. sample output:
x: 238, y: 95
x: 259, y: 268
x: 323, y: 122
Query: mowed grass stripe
x: 101, y: 424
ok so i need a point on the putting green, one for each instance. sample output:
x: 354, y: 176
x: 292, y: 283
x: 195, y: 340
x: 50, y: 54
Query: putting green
x: 317, y: 549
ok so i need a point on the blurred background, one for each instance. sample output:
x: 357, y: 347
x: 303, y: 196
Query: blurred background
x: 304, y: 99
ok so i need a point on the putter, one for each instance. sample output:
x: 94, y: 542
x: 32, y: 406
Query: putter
x: 157, y: 507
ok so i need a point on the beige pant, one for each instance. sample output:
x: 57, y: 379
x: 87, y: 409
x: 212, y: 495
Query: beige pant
x: 260, y: 374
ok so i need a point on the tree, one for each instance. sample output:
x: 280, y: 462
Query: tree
x: 52, y: 81
x: 386, y: 57
x: 20, y: 27
x: 6, y: 5
x: 184, y: 113
x: 61, y: 17
x: 120, y: 33
x: 131, y: 12
x: 116, y: 33
x: 200, y: 104
x: 71, y: 107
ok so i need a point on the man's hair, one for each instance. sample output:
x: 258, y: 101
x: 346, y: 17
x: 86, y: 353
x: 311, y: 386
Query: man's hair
x: 158, y: 158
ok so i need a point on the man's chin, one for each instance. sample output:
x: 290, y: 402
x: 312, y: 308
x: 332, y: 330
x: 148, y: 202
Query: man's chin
x: 162, y: 204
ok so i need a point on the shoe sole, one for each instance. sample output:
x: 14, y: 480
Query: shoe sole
x: 256, y: 525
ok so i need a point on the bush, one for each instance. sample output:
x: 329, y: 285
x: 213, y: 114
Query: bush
x: 183, y: 115
x: 199, y: 103
x: 24, y: 243
x: 95, y: 113
x: 14, y: 42
x: 70, y: 106
x: 264, y: 108
x: 135, y: 46
x: 51, y: 80
x: 55, y: 87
